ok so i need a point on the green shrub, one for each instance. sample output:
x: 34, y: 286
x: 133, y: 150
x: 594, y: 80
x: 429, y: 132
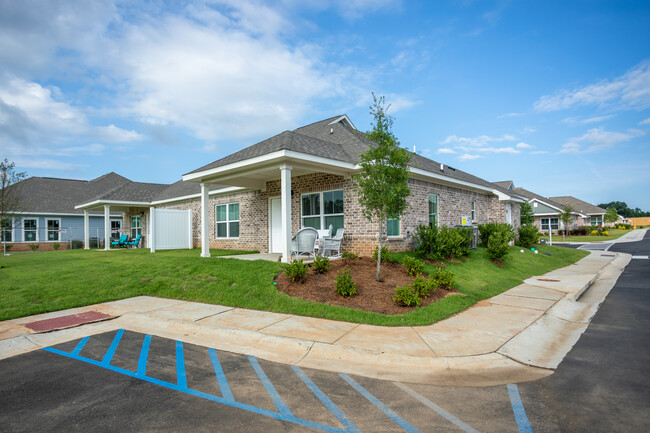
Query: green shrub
x: 33, y: 247
x: 442, y: 278
x: 295, y: 270
x: 594, y: 232
x: 528, y: 236
x: 435, y: 243
x: 497, y: 246
x: 76, y: 244
x: 407, y: 295
x: 348, y: 257
x: 424, y: 286
x: 8, y: 246
x: 321, y: 264
x: 344, y: 284
x: 604, y: 233
x: 386, y: 256
x: 413, y: 266
x: 56, y: 246
x: 487, y: 230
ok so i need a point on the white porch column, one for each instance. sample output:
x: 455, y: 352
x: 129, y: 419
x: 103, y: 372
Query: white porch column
x: 285, y: 186
x: 152, y: 228
x: 107, y: 227
x: 205, y: 215
x: 86, y: 230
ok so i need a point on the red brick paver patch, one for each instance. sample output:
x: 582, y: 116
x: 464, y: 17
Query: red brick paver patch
x: 67, y: 321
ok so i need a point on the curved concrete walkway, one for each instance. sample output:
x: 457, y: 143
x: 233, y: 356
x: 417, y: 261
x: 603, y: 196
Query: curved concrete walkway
x: 633, y: 236
x: 519, y: 335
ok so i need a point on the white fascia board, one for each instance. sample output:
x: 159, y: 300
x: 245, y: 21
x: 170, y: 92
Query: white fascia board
x: 446, y: 179
x: 62, y: 214
x: 546, y: 214
x: 341, y: 118
x: 96, y: 203
x: 544, y: 203
x: 270, y: 157
x: 198, y: 195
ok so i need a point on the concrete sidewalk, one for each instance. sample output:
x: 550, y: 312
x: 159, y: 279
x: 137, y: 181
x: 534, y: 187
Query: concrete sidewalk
x: 519, y: 335
x: 633, y: 236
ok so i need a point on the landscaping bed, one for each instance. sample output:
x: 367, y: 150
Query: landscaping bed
x: 371, y: 295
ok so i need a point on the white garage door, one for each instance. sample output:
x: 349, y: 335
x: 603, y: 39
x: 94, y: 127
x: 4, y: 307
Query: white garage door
x: 171, y: 229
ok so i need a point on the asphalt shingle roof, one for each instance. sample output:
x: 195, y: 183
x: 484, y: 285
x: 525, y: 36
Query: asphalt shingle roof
x: 579, y: 205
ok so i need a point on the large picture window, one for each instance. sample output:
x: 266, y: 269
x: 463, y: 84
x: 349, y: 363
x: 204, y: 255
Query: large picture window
x: 136, y: 226
x: 596, y: 221
x: 323, y: 209
x: 53, y: 227
x: 7, y: 233
x: 433, y: 210
x: 554, y: 223
x: 227, y: 219
x: 30, y: 230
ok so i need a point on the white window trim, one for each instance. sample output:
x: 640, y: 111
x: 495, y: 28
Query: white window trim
x: 398, y: 236
x: 131, y: 228
x: 322, y: 214
x: 23, y: 223
x: 47, y: 231
x: 550, y: 223
x: 13, y: 232
x: 437, y: 208
x: 227, y: 221
x: 473, y: 211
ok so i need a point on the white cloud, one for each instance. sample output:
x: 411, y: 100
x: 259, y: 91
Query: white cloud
x: 469, y: 157
x: 597, y: 139
x: 508, y: 149
x: 446, y: 150
x: 502, y: 116
x: 629, y: 91
x: 645, y: 122
x: 482, y: 144
x: 522, y: 145
x: 539, y: 152
x: 479, y: 141
x: 596, y: 119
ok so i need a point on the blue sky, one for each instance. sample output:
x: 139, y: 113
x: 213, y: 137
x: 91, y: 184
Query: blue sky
x: 552, y: 95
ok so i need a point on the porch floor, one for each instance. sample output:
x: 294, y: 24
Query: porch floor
x: 272, y: 257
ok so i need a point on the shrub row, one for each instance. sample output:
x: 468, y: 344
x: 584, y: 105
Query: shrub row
x: 411, y: 295
x: 495, y: 237
x: 436, y: 243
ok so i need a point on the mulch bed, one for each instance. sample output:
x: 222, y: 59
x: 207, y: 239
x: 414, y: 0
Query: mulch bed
x: 371, y: 295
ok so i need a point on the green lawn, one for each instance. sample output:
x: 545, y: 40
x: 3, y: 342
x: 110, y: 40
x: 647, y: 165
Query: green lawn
x: 39, y: 282
x: 613, y: 234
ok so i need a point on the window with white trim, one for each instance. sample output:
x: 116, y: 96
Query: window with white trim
x: 7, y: 231
x: 596, y: 221
x: 433, y: 210
x: 393, y: 227
x: 473, y: 211
x: 554, y: 223
x: 318, y: 216
x: 116, y: 226
x: 136, y: 226
x: 53, y: 227
x: 227, y: 220
x: 30, y: 230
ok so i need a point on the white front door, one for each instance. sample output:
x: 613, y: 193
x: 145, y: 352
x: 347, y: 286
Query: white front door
x: 509, y: 213
x: 276, y: 225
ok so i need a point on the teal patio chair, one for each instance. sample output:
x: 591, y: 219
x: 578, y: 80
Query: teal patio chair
x: 120, y: 242
x: 135, y: 242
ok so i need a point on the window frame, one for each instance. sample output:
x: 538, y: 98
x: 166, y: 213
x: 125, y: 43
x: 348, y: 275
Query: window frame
x: 399, y: 228
x: 9, y: 230
x: 322, y: 215
x: 115, y: 236
x: 47, y: 230
x: 228, y: 221
x: 549, y: 222
x: 34, y: 230
x: 473, y: 211
x: 437, y: 214
x: 591, y: 219
x: 138, y: 228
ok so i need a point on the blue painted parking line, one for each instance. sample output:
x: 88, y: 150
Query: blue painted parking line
x: 221, y: 377
x: 381, y: 406
x: 329, y: 404
x: 181, y: 385
x: 518, y: 408
x: 431, y: 405
x: 111, y: 350
x: 277, y: 400
x: 80, y: 345
x: 144, y: 354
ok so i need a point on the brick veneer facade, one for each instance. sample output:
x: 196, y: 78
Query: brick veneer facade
x: 360, y: 234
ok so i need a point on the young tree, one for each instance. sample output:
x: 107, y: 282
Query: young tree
x: 527, y: 215
x: 382, y: 184
x: 566, y: 216
x: 611, y: 216
x: 9, y: 194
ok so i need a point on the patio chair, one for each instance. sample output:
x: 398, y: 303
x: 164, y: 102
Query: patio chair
x: 135, y: 242
x: 333, y: 243
x: 304, y: 242
x: 121, y: 242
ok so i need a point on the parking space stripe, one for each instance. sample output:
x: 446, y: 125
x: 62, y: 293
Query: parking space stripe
x: 329, y: 404
x: 518, y: 408
x: 80, y: 345
x: 221, y: 377
x: 431, y: 405
x: 111, y: 350
x: 381, y: 406
x: 181, y: 379
x: 144, y: 354
x: 277, y: 400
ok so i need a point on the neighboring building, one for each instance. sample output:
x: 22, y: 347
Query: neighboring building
x: 303, y: 178
x: 547, y: 212
x: 593, y: 214
x: 47, y: 213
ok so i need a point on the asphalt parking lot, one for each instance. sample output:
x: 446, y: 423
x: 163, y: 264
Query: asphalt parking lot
x: 126, y: 381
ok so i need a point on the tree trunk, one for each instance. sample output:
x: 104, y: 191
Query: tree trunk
x: 381, y: 227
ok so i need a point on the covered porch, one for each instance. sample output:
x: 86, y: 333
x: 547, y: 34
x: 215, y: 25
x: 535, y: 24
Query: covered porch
x: 128, y: 209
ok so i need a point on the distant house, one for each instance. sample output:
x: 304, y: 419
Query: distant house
x: 593, y: 214
x: 47, y: 212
